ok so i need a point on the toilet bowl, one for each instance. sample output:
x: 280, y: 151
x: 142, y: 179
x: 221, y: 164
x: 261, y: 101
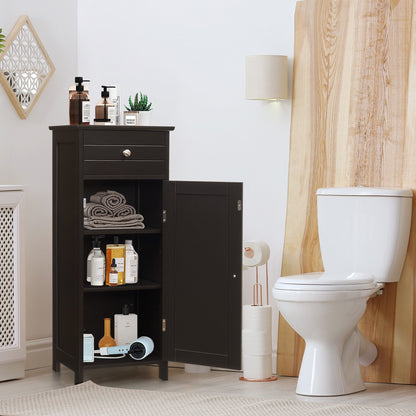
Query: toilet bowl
x: 363, y: 238
x: 329, y: 367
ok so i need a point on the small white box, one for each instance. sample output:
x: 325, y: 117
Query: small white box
x: 88, y: 348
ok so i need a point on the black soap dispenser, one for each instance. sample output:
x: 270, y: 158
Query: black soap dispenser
x: 105, y: 110
x: 79, y: 104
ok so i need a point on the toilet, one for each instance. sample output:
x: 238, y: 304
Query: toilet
x: 363, y: 235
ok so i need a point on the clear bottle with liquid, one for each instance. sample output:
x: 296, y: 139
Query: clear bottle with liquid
x: 115, y: 99
x: 131, y: 263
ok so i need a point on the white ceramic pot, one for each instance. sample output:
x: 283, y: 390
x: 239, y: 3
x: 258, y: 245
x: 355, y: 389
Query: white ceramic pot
x: 145, y: 118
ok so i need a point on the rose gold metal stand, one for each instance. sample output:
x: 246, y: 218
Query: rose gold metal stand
x: 272, y: 378
x: 258, y: 301
x: 258, y: 288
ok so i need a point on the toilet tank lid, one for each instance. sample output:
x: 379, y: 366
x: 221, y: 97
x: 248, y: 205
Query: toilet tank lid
x: 366, y: 191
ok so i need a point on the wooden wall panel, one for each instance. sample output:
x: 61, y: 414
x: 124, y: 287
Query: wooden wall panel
x: 353, y: 123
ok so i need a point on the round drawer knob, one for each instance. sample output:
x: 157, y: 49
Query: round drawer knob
x: 126, y: 153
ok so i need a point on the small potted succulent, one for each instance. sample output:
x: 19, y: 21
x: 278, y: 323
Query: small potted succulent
x: 138, y: 112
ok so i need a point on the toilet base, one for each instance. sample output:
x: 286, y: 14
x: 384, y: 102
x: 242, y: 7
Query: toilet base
x: 344, y: 393
x: 329, y: 369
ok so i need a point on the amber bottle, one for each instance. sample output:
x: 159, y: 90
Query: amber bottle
x: 79, y: 104
x: 105, y: 109
x: 107, y: 340
x: 113, y: 274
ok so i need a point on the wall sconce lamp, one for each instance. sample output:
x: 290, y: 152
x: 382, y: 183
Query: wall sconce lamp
x: 267, y: 77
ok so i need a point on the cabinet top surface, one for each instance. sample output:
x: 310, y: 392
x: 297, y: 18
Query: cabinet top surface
x: 109, y: 128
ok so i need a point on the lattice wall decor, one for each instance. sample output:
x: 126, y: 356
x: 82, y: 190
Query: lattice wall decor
x: 25, y: 67
x: 8, y: 324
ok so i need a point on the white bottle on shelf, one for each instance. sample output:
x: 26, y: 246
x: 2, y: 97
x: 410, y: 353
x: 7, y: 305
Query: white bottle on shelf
x: 89, y: 265
x: 97, y: 267
x: 95, y: 244
x: 131, y: 263
x: 125, y: 327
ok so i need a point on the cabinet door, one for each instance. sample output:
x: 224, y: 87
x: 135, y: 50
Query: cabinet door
x: 202, y: 273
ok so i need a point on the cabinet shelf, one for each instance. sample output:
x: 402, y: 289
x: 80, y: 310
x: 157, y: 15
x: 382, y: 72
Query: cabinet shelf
x: 142, y: 285
x: 149, y: 230
x: 106, y: 362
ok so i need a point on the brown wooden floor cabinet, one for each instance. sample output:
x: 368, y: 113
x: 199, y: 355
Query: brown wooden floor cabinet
x: 188, y: 299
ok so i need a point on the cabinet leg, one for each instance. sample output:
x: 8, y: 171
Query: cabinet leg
x: 163, y: 370
x: 56, y: 366
x: 78, y: 376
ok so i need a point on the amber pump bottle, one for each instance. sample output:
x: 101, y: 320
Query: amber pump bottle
x: 105, y: 110
x: 79, y: 104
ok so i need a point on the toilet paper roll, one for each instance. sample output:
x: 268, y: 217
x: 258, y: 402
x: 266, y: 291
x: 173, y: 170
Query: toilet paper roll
x: 256, y: 342
x: 257, y: 367
x: 255, y: 253
x: 257, y: 317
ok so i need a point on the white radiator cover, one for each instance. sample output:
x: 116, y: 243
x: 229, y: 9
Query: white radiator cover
x: 12, y: 302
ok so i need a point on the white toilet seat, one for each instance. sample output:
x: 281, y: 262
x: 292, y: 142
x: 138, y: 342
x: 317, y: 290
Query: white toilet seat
x: 326, y: 281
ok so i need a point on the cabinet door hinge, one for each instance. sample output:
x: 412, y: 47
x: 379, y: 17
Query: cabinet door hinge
x: 164, y: 215
x: 163, y: 325
x: 239, y: 205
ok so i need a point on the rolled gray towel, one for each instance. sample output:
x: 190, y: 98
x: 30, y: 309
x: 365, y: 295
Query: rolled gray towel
x: 123, y: 211
x: 110, y: 199
x: 96, y: 210
x: 110, y: 222
x: 96, y: 198
x: 120, y: 220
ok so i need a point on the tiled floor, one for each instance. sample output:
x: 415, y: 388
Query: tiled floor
x: 225, y: 382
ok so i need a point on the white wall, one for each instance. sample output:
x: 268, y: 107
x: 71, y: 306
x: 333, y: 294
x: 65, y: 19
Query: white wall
x: 26, y: 148
x: 189, y: 57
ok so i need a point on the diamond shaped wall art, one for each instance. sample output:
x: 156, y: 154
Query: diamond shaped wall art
x: 25, y: 67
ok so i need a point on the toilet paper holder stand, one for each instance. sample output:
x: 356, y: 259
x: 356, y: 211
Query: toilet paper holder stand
x: 257, y: 287
x: 255, y: 254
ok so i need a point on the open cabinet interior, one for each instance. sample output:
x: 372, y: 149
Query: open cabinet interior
x: 144, y: 297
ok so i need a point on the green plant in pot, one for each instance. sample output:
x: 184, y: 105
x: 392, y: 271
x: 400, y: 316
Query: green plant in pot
x: 138, y: 111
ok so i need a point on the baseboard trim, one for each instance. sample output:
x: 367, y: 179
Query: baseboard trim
x: 11, y: 371
x: 38, y: 353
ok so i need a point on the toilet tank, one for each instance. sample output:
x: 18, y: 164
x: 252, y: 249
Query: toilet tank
x: 364, y: 230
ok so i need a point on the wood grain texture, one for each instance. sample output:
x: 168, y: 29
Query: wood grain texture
x: 353, y: 123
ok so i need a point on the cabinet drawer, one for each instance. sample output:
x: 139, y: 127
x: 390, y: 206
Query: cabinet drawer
x: 127, y: 155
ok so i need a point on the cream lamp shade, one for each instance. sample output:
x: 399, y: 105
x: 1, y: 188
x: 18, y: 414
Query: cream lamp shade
x: 266, y: 77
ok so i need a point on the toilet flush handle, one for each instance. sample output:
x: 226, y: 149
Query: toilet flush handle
x: 379, y: 291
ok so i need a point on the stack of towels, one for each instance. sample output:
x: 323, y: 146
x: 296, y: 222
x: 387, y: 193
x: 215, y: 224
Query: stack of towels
x: 109, y: 210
